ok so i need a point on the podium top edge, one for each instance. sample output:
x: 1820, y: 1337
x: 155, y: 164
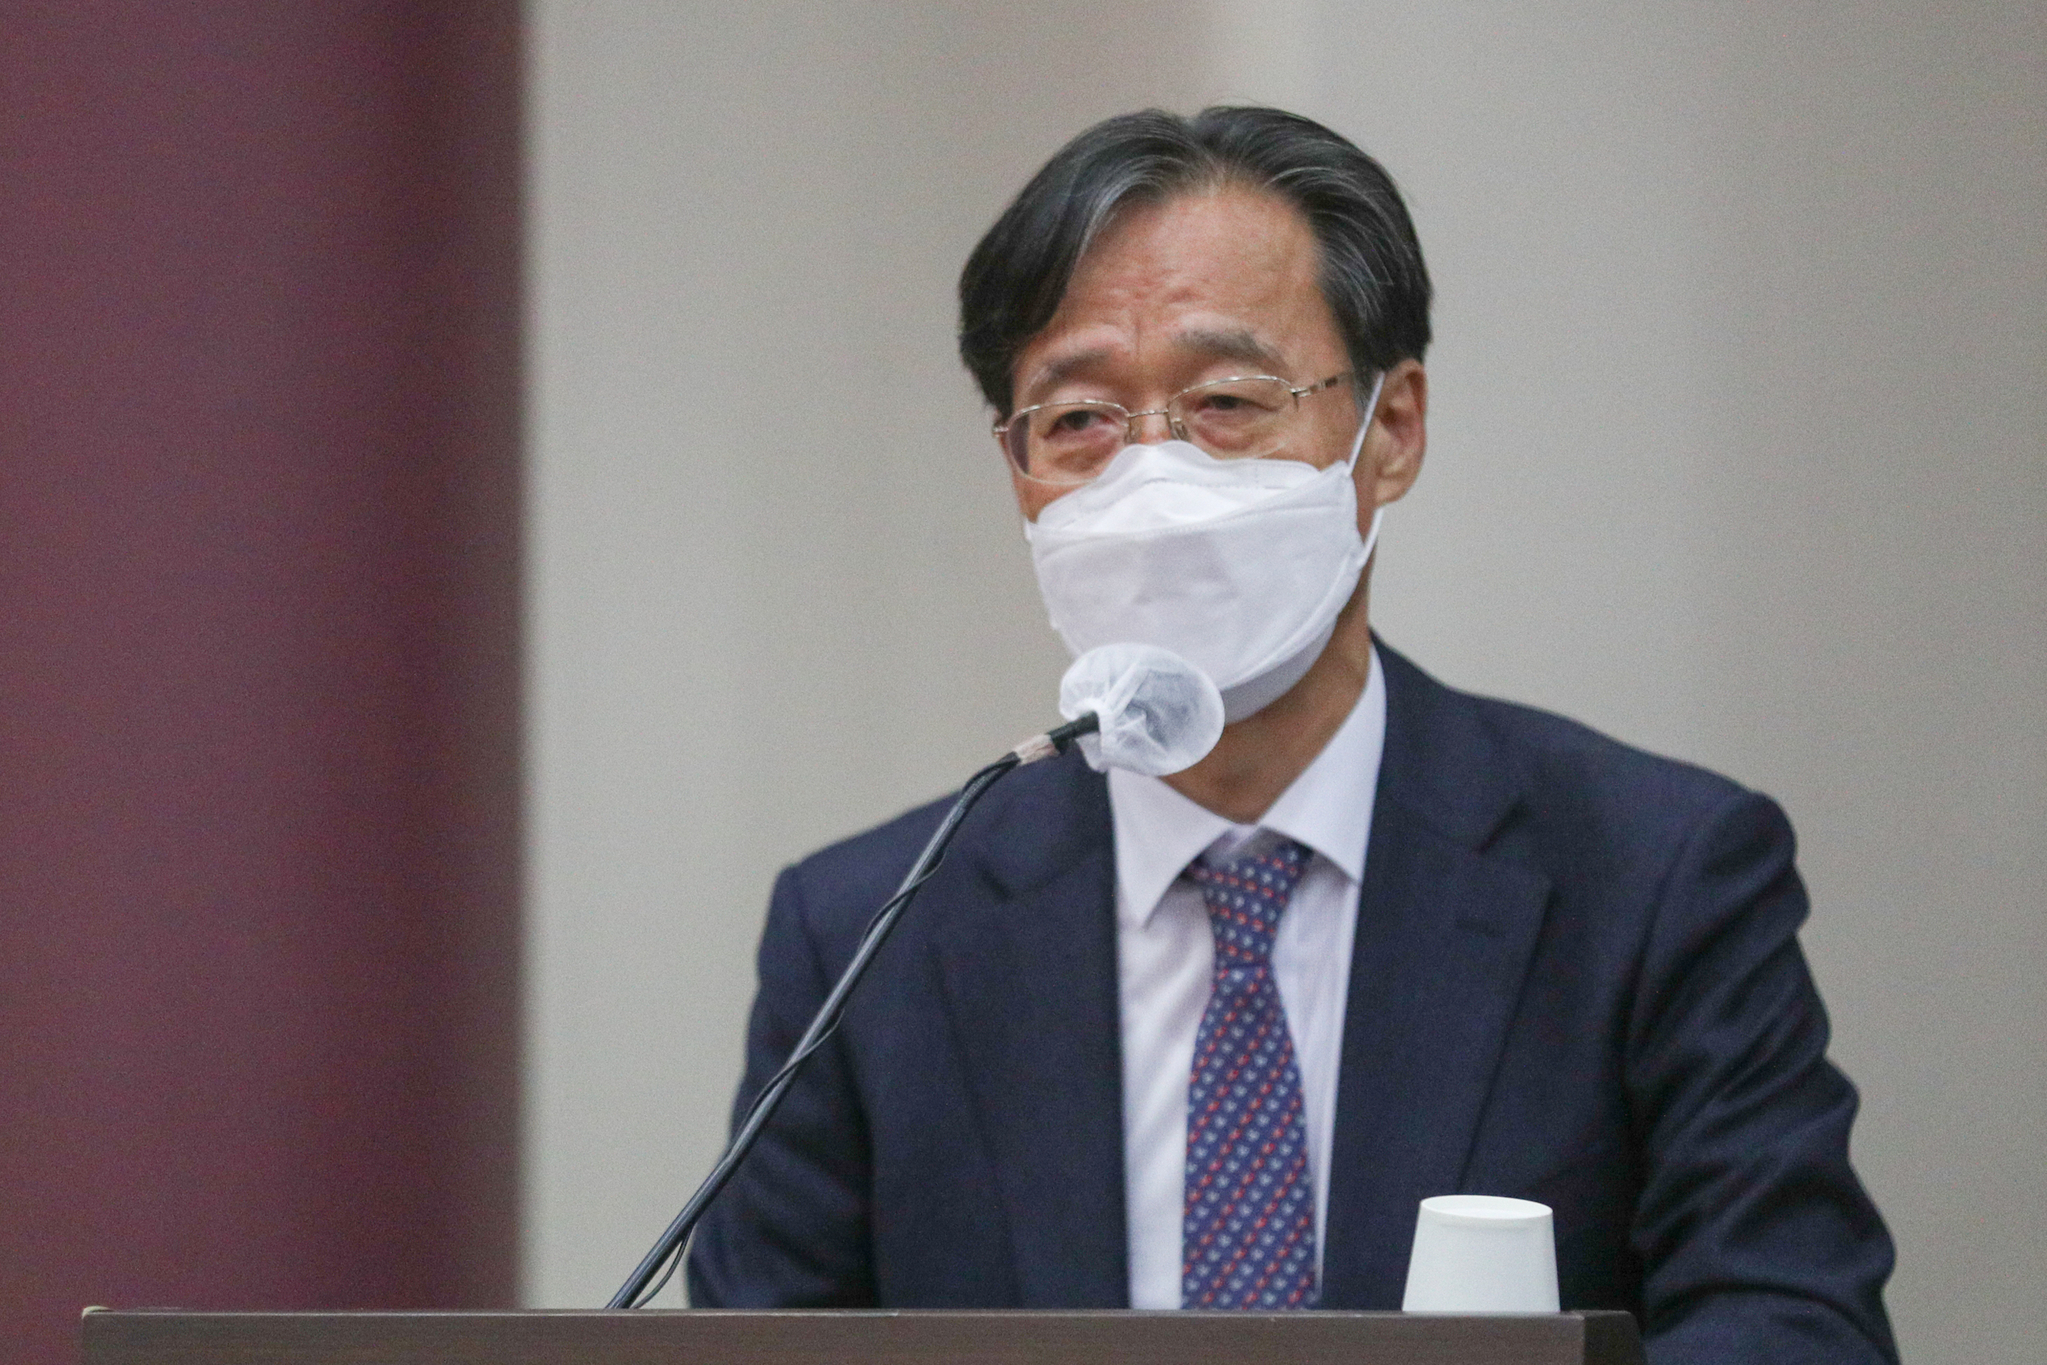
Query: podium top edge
x: 1233, y: 1315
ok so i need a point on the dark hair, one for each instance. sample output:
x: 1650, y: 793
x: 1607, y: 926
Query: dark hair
x: 1372, y: 271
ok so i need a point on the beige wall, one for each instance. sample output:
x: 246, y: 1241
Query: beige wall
x: 1740, y: 452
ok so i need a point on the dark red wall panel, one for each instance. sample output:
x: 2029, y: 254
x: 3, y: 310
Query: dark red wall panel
x: 259, y: 367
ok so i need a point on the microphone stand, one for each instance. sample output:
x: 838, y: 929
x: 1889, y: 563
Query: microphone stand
x: 667, y: 1251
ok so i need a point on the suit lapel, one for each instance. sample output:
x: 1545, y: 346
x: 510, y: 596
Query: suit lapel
x: 1445, y: 932
x: 1030, y: 983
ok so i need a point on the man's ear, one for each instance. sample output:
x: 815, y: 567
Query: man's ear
x: 1392, y: 456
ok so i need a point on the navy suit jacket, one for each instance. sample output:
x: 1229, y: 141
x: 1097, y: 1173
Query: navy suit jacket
x: 1576, y: 980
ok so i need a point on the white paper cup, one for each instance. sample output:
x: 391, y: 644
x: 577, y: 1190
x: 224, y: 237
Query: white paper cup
x: 1476, y: 1253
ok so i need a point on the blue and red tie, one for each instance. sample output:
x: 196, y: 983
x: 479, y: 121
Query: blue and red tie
x: 1248, y: 1232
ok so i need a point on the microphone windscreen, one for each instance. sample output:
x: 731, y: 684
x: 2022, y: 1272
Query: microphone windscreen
x: 1159, y: 714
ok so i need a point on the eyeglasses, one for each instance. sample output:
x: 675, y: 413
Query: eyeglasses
x: 1241, y: 418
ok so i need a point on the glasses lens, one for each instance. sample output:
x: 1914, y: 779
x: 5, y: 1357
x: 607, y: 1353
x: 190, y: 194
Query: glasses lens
x: 1065, y: 442
x: 1236, y: 418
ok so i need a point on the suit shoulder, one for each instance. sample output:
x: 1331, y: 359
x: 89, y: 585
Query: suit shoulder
x: 1617, y: 830
x: 1611, y: 815
x: 1457, y: 745
x: 841, y: 885
x: 1555, y: 750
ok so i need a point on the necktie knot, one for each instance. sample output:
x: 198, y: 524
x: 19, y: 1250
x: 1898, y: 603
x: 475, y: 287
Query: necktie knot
x: 1246, y: 896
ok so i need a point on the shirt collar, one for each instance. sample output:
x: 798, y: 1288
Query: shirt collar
x: 1158, y: 831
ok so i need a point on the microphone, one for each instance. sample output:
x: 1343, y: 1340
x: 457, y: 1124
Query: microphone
x: 1158, y: 713
x: 1129, y: 706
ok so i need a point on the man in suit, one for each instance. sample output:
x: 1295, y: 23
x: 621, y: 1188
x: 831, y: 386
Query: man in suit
x: 1206, y: 1040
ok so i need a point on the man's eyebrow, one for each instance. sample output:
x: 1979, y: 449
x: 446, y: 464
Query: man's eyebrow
x: 1237, y: 343
x: 1065, y: 367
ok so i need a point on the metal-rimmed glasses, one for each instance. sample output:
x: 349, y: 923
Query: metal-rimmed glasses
x: 1239, y: 418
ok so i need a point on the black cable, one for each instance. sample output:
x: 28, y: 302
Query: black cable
x: 672, y: 1246
x: 681, y: 1255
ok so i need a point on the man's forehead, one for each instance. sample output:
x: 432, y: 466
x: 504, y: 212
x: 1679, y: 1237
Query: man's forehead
x: 1192, y: 343
x: 1227, y: 276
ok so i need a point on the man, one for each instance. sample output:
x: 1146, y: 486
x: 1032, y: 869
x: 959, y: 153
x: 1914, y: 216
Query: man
x: 1207, y: 1040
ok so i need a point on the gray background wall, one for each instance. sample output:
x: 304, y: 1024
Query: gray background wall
x: 1739, y: 452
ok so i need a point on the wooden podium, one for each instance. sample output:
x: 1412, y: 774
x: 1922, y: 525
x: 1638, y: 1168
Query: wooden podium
x: 656, y: 1337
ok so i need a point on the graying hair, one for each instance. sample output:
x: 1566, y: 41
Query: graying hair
x: 1371, y: 262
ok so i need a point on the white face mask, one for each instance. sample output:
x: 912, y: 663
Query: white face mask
x: 1240, y: 567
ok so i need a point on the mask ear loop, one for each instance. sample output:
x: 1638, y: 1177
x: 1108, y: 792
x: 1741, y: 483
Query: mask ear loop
x: 1371, y: 411
x: 1356, y: 447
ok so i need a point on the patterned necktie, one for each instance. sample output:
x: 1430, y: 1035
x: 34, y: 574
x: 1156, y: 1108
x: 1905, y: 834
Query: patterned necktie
x: 1248, y: 1230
